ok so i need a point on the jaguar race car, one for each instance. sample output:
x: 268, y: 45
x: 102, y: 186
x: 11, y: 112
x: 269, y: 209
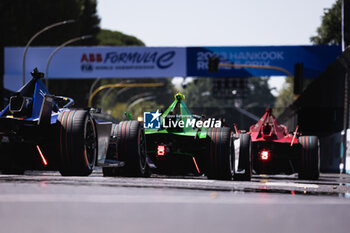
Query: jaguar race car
x: 37, y: 134
x: 183, y: 144
x: 268, y: 148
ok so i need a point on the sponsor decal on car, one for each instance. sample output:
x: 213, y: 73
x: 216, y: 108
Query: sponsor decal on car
x: 153, y: 120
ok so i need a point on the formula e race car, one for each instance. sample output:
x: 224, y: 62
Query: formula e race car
x: 188, y: 144
x: 268, y: 148
x: 36, y: 134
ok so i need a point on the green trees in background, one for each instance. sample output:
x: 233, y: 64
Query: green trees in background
x: 115, y: 38
x: 259, y: 97
x: 285, y: 97
x: 199, y: 98
x: 330, y: 30
x: 198, y: 95
x: 20, y: 20
x: 134, y: 100
x: 89, y: 22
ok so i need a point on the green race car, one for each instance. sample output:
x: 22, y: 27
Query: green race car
x: 183, y: 144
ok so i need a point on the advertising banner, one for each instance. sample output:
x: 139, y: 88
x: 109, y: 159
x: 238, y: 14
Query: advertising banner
x: 315, y: 59
x: 95, y: 62
x: 159, y: 62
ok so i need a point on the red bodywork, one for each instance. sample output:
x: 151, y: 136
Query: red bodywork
x: 268, y: 130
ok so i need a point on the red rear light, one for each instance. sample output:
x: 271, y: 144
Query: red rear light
x: 41, y: 155
x: 264, y: 155
x: 161, y: 150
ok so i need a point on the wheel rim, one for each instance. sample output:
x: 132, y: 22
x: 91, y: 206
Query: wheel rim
x: 90, y: 142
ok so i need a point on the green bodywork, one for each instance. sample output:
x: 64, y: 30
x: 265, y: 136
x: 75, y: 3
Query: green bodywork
x: 190, y: 149
x: 181, y: 112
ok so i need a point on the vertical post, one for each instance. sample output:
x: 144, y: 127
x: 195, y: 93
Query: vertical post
x: 298, y: 78
x: 342, y: 26
x: 345, y: 24
x: 345, y: 121
x: 2, y: 59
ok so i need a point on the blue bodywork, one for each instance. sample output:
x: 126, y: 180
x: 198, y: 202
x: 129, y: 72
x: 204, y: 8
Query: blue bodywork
x: 28, y: 122
x: 37, y: 134
x: 36, y: 91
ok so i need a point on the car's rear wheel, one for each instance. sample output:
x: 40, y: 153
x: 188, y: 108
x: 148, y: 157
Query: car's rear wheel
x: 131, y: 149
x: 310, y: 158
x: 77, y: 142
x: 245, y: 159
x: 220, y: 159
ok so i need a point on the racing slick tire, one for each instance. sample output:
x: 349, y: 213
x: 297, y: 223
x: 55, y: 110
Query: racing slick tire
x: 131, y: 148
x: 78, y: 143
x: 310, y: 158
x: 220, y: 160
x: 245, y: 159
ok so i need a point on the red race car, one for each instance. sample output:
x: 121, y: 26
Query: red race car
x: 268, y: 148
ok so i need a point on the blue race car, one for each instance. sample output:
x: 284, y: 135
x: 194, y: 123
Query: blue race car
x: 37, y: 134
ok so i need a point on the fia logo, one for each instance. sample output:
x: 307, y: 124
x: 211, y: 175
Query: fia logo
x: 151, y: 120
x: 86, y: 67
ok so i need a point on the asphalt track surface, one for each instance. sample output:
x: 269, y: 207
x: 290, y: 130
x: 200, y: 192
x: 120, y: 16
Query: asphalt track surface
x: 46, y: 202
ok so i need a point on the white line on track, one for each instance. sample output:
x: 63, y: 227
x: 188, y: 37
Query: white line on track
x: 288, y: 184
x: 189, y: 180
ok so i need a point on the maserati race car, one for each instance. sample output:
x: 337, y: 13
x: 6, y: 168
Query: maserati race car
x: 268, y: 148
x: 37, y: 134
x: 187, y: 144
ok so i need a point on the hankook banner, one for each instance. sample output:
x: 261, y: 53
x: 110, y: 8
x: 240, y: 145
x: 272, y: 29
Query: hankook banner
x: 315, y: 59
